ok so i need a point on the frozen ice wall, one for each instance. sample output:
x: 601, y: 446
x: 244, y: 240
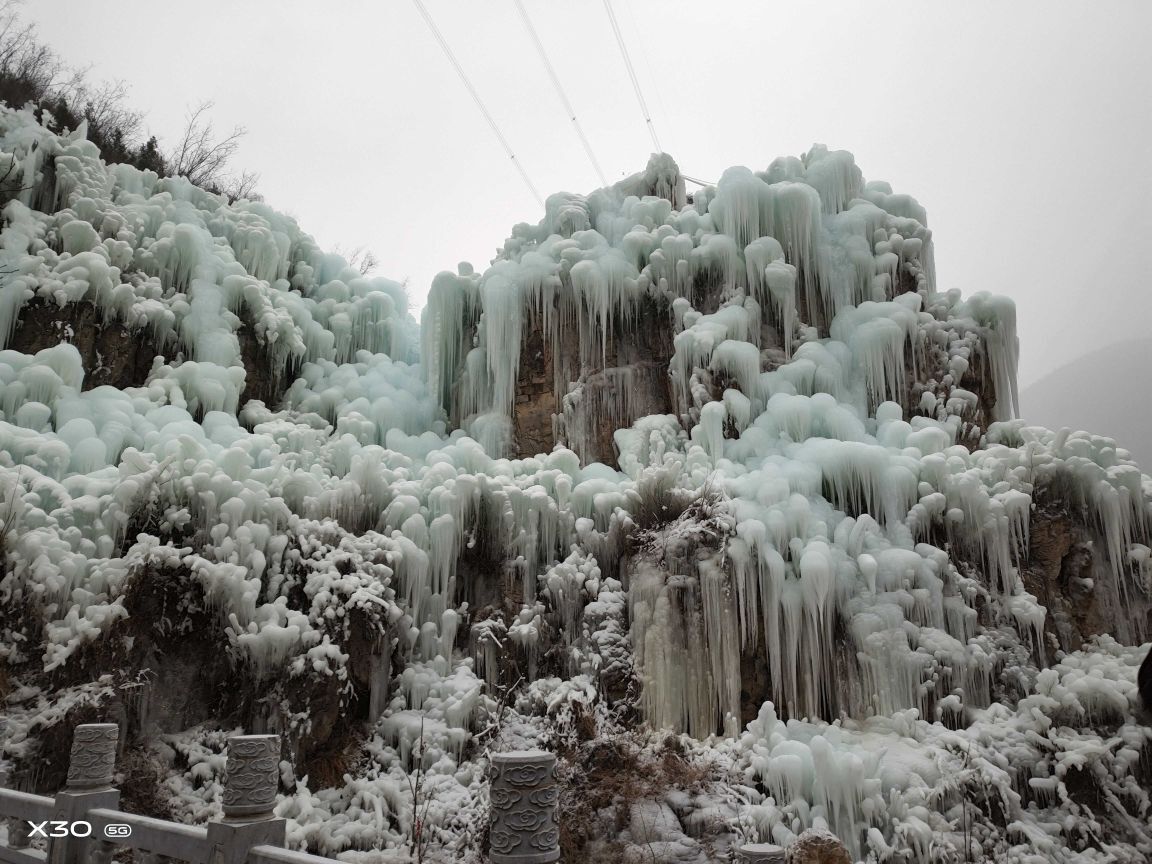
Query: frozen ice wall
x: 854, y: 423
x: 774, y: 497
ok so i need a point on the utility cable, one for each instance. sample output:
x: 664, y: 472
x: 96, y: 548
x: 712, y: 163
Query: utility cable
x: 476, y: 98
x: 632, y: 74
x: 559, y: 89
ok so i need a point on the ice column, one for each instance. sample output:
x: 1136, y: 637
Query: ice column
x: 524, y: 796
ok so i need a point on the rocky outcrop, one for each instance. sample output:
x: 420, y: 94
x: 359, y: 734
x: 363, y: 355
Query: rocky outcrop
x: 113, y: 354
x: 818, y: 847
x: 1062, y: 569
x: 120, y: 356
x: 577, y: 398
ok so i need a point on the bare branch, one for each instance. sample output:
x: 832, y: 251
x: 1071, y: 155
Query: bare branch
x: 244, y: 186
x: 200, y: 155
x: 360, y: 258
x: 32, y: 73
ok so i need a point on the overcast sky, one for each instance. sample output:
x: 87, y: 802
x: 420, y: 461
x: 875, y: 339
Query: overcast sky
x: 1023, y: 127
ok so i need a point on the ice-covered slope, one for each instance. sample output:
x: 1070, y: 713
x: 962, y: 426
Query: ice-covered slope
x: 836, y: 521
x: 1108, y: 390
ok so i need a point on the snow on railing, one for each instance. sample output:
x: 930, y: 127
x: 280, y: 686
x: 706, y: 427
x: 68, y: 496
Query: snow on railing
x: 81, y: 824
x: 20, y: 810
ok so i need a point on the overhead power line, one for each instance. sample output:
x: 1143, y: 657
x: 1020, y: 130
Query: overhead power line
x: 632, y: 74
x: 476, y: 98
x: 559, y: 89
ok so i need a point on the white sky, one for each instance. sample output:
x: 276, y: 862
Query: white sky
x: 1023, y: 127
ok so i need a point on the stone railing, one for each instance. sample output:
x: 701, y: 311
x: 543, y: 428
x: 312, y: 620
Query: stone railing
x: 82, y: 825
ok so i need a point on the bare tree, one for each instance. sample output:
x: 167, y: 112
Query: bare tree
x: 420, y: 837
x: 9, y: 188
x: 199, y: 155
x: 244, y: 186
x: 104, y: 109
x: 32, y: 72
x: 32, y: 68
x: 361, y: 258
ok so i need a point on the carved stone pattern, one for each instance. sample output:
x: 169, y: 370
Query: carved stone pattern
x: 526, y: 775
x: 505, y: 799
x: 524, y: 798
x: 526, y: 820
x: 504, y: 841
x: 251, y: 775
x: 760, y: 853
x: 549, y: 796
x: 93, y: 758
x: 547, y: 839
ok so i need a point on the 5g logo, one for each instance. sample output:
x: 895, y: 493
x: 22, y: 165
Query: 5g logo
x: 75, y: 829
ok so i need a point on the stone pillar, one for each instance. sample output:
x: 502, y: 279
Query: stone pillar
x: 91, y: 766
x: 760, y: 853
x: 251, y: 776
x: 524, y: 796
x: 250, y: 781
x: 93, y: 758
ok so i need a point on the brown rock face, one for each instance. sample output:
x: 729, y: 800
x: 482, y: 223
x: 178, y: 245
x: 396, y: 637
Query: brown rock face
x: 261, y: 380
x: 564, y: 395
x: 112, y: 353
x: 120, y: 356
x: 1061, y: 570
x: 536, y: 400
x: 818, y: 847
x: 1059, y: 573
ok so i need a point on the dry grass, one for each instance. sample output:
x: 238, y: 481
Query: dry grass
x: 326, y: 768
x: 142, y: 790
x: 606, y: 777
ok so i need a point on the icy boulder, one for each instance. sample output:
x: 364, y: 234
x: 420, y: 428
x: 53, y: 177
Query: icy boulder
x: 816, y: 846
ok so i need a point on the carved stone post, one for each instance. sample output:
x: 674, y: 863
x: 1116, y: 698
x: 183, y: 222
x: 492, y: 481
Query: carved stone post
x: 524, y: 796
x: 251, y: 776
x: 93, y: 759
x: 760, y: 853
x: 91, y: 766
x: 250, y: 783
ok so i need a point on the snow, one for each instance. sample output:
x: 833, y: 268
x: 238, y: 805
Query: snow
x: 835, y: 516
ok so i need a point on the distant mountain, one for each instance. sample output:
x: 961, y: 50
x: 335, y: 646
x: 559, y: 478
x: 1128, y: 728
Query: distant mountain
x: 1108, y: 392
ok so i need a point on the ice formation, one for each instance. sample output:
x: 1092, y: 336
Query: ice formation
x: 810, y: 559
